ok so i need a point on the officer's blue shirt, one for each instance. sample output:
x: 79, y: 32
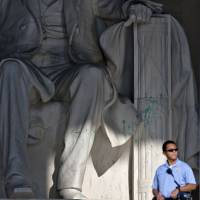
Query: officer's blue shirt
x: 164, y: 182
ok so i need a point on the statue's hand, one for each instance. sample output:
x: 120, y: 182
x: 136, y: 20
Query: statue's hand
x: 138, y: 13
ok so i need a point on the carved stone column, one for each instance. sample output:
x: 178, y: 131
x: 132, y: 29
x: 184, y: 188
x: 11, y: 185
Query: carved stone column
x: 152, y: 91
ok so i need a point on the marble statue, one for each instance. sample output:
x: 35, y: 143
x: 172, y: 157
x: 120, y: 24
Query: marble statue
x: 112, y: 64
x: 49, y: 51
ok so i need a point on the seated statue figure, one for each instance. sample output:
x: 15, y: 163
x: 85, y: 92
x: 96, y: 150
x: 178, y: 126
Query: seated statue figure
x: 49, y: 52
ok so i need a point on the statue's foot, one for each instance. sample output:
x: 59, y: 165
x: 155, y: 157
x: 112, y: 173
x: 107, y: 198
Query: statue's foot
x: 17, y: 187
x: 72, y: 194
x: 21, y: 193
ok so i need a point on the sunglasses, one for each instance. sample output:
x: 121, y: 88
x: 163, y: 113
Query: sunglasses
x: 172, y: 150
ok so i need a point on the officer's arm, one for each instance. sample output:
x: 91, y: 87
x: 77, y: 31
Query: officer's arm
x: 189, y: 179
x: 155, y: 192
x: 188, y: 187
x: 155, y: 189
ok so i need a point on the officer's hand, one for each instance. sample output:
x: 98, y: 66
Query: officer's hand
x: 160, y: 197
x: 139, y: 13
x: 174, y: 194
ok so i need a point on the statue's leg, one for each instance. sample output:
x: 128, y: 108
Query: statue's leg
x: 86, y: 104
x: 15, y: 88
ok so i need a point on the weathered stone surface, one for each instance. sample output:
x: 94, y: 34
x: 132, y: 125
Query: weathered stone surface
x: 50, y: 120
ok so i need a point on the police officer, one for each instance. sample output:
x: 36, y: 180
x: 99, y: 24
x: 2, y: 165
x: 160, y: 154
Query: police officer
x: 173, y: 179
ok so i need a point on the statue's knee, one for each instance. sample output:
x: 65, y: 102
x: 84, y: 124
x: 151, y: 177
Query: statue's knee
x: 11, y: 69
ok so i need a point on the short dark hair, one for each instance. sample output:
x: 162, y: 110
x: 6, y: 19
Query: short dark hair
x: 164, y: 146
